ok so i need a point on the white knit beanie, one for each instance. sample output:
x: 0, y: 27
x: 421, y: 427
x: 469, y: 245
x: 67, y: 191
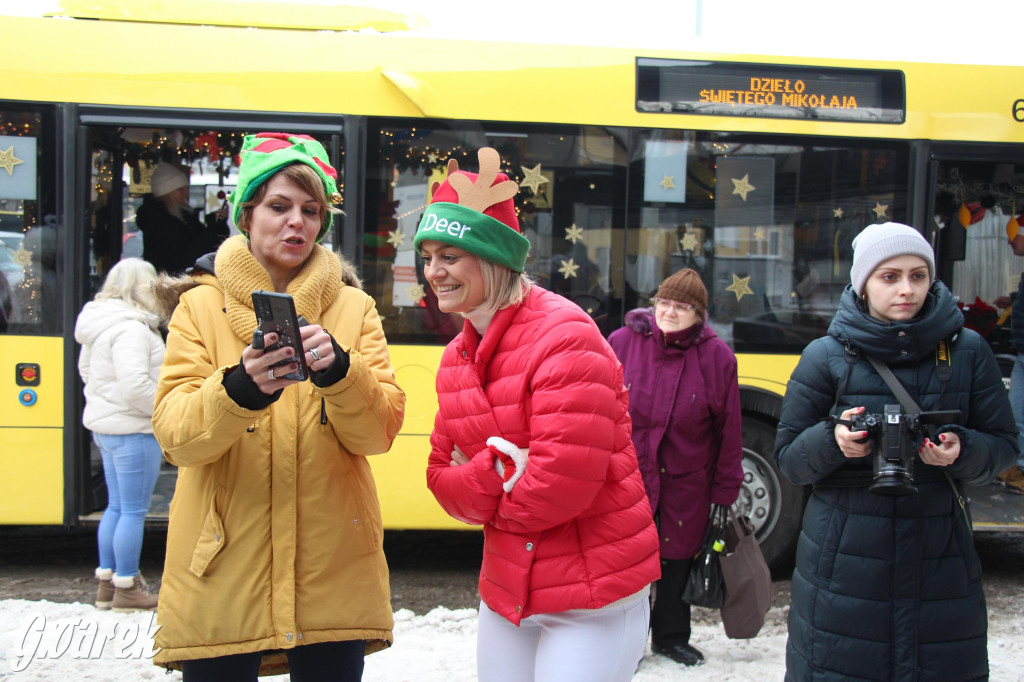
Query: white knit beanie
x: 878, y: 243
x: 166, y: 178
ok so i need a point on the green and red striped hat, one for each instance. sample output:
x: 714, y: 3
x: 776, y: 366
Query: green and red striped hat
x: 263, y: 154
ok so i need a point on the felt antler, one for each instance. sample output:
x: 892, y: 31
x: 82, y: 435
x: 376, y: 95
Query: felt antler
x: 453, y: 166
x: 480, y: 195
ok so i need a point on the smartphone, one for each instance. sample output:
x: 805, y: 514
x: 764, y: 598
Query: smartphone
x: 275, y: 313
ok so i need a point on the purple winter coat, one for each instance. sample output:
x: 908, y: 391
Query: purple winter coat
x: 684, y: 401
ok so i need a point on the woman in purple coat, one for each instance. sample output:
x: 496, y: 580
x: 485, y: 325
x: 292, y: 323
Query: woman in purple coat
x: 684, y: 401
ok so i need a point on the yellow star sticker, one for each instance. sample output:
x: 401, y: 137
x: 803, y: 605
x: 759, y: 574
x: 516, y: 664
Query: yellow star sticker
x: 689, y: 242
x: 740, y: 286
x: 22, y: 257
x: 837, y: 212
x: 742, y: 186
x: 8, y: 161
x: 668, y: 182
x: 759, y: 234
x: 568, y: 268
x: 396, y: 238
x: 533, y: 178
x: 574, y: 233
x: 880, y: 209
x: 416, y: 292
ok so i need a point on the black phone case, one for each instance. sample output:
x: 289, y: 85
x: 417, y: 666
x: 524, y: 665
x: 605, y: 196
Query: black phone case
x: 275, y: 312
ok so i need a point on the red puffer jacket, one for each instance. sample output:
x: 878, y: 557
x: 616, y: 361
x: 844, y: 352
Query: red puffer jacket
x: 576, y: 531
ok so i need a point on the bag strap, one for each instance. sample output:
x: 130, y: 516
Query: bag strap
x: 944, y: 370
x: 894, y: 385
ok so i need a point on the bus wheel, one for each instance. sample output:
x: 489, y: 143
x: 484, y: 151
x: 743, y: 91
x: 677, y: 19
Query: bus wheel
x: 775, y: 506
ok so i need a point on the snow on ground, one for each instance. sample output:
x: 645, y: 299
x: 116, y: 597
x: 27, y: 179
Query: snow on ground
x: 101, y: 646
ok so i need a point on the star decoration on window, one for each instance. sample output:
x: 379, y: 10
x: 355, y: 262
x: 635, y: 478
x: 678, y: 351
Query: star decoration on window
x: 740, y: 286
x: 533, y: 178
x: 668, y: 182
x: 416, y: 292
x: 880, y: 209
x: 742, y: 186
x: 396, y: 238
x: 759, y: 234
x: 8, y: 160
x: 837, y: 212
x: 432, y: 157
x: 22, y: 257
x: 568, y: 268
x: 574, y: 234
x: 689, y: 242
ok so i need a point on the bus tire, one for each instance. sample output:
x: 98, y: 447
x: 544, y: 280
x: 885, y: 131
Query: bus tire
x: 775, y: 506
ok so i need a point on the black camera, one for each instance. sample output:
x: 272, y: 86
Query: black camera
x: 895, y: 437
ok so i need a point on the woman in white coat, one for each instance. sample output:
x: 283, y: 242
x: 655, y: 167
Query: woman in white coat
x: 122, y: 351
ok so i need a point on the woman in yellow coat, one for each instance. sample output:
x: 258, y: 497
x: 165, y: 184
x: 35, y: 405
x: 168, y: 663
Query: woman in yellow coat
x: 274, y: 557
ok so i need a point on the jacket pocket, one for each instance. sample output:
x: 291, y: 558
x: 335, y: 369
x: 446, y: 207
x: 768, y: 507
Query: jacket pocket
x: 211, y: 540
x: 367, y: 519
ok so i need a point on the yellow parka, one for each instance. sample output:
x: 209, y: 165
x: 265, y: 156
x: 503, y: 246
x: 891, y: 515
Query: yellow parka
x: 274, y: 538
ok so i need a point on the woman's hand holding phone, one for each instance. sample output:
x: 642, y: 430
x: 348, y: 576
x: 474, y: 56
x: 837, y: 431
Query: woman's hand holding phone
x: 259, y: 363
x: 317, y: 346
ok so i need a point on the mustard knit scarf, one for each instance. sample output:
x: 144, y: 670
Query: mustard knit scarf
x: 313, y: 289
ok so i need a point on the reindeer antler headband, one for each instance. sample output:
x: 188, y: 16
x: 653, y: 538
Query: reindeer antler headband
x: 476, y: 213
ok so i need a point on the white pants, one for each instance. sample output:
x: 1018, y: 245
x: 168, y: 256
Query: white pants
x: 600, y: 645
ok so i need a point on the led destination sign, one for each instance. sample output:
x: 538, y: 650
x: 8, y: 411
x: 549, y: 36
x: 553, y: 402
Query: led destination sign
x: 769, y: 91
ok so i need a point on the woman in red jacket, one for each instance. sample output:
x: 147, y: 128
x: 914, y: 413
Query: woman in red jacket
x: 532, y: 441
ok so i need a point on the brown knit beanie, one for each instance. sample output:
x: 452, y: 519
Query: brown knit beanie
x: 685, y: 286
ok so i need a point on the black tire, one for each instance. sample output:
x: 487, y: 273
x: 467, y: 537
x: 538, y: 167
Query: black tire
x: 775, y: 506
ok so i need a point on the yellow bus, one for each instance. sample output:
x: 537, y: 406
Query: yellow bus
x: 755, y: 171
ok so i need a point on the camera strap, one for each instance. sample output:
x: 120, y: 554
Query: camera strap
x: 944, y: 371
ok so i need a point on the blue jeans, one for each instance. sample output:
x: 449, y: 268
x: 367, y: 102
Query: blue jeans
x: 1017, y: 404
x: 131, y: 464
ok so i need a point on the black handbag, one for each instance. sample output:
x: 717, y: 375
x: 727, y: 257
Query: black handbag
x: 705, y: 586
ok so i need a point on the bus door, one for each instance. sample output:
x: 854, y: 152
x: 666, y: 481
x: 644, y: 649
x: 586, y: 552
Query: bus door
x: 122, y: 148
x: 976, y: 199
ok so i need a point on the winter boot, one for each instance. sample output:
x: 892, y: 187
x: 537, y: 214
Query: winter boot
x: 130, y: 594
x: 1013, y: 480
x: 104, y: 589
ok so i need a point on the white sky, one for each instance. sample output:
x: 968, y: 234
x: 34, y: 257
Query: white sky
x: 957, y: 31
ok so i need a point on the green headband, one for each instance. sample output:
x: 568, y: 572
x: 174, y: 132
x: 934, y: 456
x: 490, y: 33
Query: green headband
x: 475, y: 232
x: 264, y: 154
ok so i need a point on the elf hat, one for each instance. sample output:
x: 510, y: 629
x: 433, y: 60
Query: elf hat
x: 264, y: 154
x: 477, y: 214
x: 878, y: 243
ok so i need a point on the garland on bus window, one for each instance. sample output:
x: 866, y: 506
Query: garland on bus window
x: 220, y: 149
x: 972, y: 198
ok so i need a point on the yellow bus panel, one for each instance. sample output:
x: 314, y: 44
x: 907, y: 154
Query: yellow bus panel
x: 768, y: 372
x: 32, y: 487
x: 415, y: 370
x: 401, y: 476
x: 47, y: 408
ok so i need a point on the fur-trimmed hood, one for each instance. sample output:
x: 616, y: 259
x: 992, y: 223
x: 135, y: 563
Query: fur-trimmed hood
x: 641, y: 320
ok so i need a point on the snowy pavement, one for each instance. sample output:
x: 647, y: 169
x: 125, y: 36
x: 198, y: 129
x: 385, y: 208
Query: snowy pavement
x: 42, y: 640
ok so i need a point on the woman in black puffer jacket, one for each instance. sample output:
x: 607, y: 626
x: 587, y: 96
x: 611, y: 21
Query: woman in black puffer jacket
x: 888, y: 587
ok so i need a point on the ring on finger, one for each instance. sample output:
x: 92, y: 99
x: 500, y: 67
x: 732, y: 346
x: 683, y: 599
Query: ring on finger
x: 270, y: 374
x: 315, y: 352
